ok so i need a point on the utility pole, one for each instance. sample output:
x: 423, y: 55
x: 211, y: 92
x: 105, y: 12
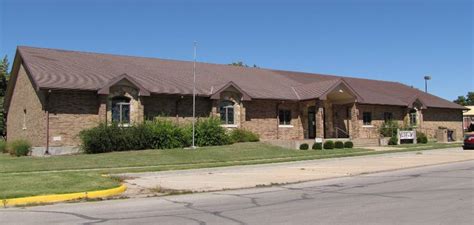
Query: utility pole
x: 194, y: 97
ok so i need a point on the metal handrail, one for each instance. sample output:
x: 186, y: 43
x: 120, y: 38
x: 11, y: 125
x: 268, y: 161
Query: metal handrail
x: 341, y: 130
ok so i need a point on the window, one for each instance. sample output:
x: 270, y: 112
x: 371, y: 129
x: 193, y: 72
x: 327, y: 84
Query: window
x: 284, y: 117
x: 121, y: 110
x: 227, y: 112
x: 387, y: 116
x: 413, y: 117
x: 24, y: 119
x: 367, y: 118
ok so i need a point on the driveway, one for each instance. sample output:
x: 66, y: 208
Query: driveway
x: 441, y: 194
x: 249, y: 176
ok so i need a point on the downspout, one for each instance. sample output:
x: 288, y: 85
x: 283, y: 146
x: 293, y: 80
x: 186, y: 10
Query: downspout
x: 47, y: 121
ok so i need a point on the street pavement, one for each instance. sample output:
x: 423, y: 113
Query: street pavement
x: 248, y: 176
x: 439, y: 194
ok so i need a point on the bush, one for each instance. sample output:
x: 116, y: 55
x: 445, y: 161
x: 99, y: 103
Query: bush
x: 317, y: 146
x: 393, y: 141
x: 339, y: 144
x: 241, y: 135
x: 328, y: 145
x: 304, y: 146
x: 3, y: 147
x: 161, y: 134
x: 19, y: 148
x: 348, y: 144
x: 389, y: 128
x: 158, y: 134
x: 421, y: 138
x: 209, y: 132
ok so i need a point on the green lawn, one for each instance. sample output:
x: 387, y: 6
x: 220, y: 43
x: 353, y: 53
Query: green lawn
x: 27, y: 176
x: 162, y: 159
x: 14, y: 185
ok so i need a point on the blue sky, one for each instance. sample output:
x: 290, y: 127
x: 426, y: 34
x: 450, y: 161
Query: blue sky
x: 388, y: 40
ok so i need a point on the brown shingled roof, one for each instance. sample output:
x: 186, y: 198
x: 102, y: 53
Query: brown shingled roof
x: 60, y: 69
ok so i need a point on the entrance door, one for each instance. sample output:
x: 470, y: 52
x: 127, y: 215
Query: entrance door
x: 311, y: 122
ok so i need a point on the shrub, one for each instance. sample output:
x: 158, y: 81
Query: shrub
x: 328, y: 145
x: 339, y: 144
x: 348, y: 144
x: 389, y: 128
x: 3, y: 147
x: 241, y: 135
x: 317, y: 146
x: 304, y: 146
x: 162, y: 134
x: 393, y: 141
x: 209, y: 132
x: 421, y: 138
x: 19, y: 147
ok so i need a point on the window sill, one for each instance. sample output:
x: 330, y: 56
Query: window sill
x: 124, y: 125
x: 285, y: 126
x: 367, y: 126
x: 229, y: 125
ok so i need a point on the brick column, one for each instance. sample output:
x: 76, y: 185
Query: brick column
x: 319, y: 119
x: 354, y: 128
x: 102, y: 108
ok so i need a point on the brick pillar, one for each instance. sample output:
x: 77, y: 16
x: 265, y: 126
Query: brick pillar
x: 140, y: 113
x: 354, y: 128
x: 319, y: 119
x: 329, y: 119
x: 102, y: 109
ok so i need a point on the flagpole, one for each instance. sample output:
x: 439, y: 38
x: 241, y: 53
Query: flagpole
x: 194, y: 97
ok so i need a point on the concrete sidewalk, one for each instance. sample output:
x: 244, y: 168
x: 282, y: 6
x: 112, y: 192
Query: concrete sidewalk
x: 248, y: 176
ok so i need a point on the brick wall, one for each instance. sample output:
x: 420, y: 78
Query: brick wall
x: 261, y: 118
x: 71, y: 112
x: 178, y: 108
x: 26, y: 117
x: 433, y: 118
x: 377, y: 111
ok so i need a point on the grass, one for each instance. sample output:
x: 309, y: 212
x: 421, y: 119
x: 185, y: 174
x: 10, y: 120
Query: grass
x: 28, y: 176
x: 14, y: 185
x: 183, y: 158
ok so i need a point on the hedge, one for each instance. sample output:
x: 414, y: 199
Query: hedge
x: 317, y: 146
x: 339, y: 144
x: 304, y: 146
x: 159, y: 134
x: 328, y: 145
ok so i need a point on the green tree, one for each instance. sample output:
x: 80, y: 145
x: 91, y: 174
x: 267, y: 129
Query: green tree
x: 461, y: 100
x: 465, y: 100
x: 4, y: 76
x: 242, y: 64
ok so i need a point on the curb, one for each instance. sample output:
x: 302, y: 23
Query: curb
x: 64, y: 197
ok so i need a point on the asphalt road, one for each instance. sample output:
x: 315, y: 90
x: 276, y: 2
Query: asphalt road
x: 442, y: 194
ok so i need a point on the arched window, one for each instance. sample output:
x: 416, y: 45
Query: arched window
x: 227, y: 112
x: 413, y: 117
x: 121, y: 110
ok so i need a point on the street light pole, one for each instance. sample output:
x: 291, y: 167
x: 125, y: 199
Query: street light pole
x: 427, y: 78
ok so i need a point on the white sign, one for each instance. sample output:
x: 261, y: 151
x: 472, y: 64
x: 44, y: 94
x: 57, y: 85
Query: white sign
x: 407, y: 135
x: 57, y: 138
x: 318, y: 140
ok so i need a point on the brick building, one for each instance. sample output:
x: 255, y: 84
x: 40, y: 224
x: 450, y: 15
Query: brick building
x: 54, y: 94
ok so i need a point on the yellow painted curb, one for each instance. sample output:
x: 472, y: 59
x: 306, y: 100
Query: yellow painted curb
x: 64, y: 197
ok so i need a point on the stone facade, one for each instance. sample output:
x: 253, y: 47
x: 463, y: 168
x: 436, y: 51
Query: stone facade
x: 72, y: 111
